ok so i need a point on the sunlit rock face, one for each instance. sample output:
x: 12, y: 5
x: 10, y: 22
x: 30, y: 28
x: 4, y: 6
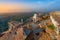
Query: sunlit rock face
x: 57, y: 13
x: 53, y: 21
x: 13, y: 36
x: 55, y: 18
x: 13, y: 33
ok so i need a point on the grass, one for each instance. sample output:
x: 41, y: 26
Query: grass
x: 52, y: 27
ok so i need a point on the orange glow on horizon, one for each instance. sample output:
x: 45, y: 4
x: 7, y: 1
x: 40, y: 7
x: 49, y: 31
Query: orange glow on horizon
x: 8, y: 8
x: 12, y: 8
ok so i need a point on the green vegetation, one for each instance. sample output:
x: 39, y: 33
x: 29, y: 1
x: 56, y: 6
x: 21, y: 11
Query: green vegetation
x: 52, y: 27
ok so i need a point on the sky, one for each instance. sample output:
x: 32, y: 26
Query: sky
x: 7, y: 6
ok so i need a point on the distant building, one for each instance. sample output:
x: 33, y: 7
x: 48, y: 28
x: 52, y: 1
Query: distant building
x: 55, y: 18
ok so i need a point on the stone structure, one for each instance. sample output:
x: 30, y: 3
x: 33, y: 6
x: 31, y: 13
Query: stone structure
x: 15, y: 32
x: 55, y: 18
x: 35, y: 18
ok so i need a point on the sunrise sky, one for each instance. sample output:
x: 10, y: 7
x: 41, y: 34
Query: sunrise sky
x: 28, y: 5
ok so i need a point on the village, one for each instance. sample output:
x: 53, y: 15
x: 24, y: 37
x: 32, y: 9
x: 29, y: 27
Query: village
x: 37, y: 27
